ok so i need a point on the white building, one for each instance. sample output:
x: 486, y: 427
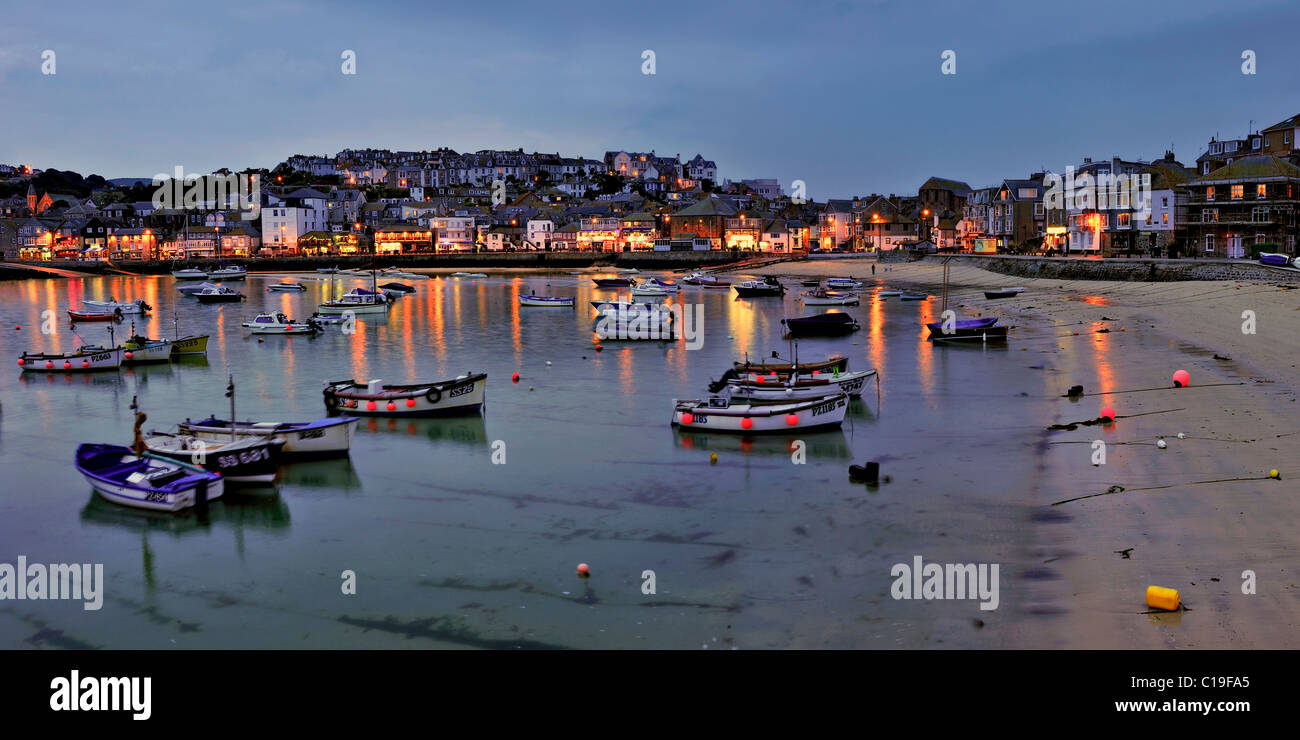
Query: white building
x: 539, y: 232
x: 299, y: 212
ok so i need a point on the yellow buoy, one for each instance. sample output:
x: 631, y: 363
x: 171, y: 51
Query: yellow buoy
x: 1274, y: 474
x: 1162, y: 598
x: 713, y: 458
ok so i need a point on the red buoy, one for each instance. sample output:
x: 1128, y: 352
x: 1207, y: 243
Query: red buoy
x: 746, y: 423
x: 129, y: 355
x: 1108, y: 414
x: 687, y: 418
x: 599, y: 348
x: 85, y: 363
x: 1182, y: 379
x: 370, y: 406
x: 584, y: 569
x: 791, y: 419
x: 49, y: 365
x: 410, y: 403
x: 514, y: 378
x: 759, y: 379
x: 391, y: 406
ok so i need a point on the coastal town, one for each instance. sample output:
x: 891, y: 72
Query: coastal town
x: 1238, y: 198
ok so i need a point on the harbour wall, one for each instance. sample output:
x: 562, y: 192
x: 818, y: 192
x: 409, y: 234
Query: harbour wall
x: 1149, y: 270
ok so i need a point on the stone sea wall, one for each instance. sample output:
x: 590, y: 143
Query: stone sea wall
x: 1153, y: 270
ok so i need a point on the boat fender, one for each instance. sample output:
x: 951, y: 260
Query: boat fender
x: 434, y: 395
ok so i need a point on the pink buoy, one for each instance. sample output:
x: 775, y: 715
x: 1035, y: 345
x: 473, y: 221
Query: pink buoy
x: 584, y: 569
x: 391, y: 406
x: 370, y: 406
x: 687, y: 418
x: 746, y: 423
x: 1182, y: 379
x: 791, y: 419
x: 410, y: 403
x: 1108, y: 414
x: 85, y: 363
x: 21, y: 362
x: 49, y: 365
x: 67, y: 365
x: 129, y: 355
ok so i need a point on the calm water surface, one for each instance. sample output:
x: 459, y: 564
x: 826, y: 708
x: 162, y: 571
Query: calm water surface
x: 451, y: 550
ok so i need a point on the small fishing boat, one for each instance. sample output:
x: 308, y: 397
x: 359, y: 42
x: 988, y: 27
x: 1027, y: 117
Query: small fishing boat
x: 847, y: 282
x: 331, y: 435
x: 327, y: 270
x: 233, y: 272
x: 821, y: 325
x: 821, y: 297
x: 632, y: 321
x: 244, y: 460
x: 937, y: 327
x: 469, y: 274
x: 139, y: 350
x: 648, y: 289
x: 114, y: 315
x: 190, y: 273
x: 219, y: 294
x: 913, y: 297
x: 768, y: 286
x: 463, y: 394
x: 194, y: 344
x: 136, y: 306
x: 981, y: 335
x: 145, y: 481
x: 889, y: 293
x: 726, y: 414
x: 547, y: 301
x: 1004, y: 293
x: 830, y: 364
x: 189, y: 290
x: 706, y: 281
x: 614, y: 282
x: 629, y: 271
x: 86, y: 359
x: 798, y: 386
x: 358, y: 301
x: 327, y: 320
x: 397, y: 288
x: 288, y: 288
x: 811, y: 283
x: 667, y: 286
x: 1274, y: 260
x: 278, y: 323
x: 412, y: 276
x: 627, y: 306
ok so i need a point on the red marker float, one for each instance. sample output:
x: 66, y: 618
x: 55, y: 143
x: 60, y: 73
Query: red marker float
x: 391, y: 406
x: 687, y: 418
x: 370, y: 406
x: 1182, y: 379
x: 410, y: 403
x: 1108, y: 414
x: 791, y: 419
x: 746, y: 423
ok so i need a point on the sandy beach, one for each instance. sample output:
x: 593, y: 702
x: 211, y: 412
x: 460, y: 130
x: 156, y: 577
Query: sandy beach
x: 1199, y: 515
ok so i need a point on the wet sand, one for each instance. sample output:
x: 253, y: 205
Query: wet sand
x: 1069, y: 583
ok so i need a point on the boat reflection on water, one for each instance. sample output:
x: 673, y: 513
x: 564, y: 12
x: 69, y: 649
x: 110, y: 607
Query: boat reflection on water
x: 190, y: 360
x: 98, y: 379
x: 236, y: 511
x: 332, y: 474
x: 465, y: 430
x: 827, y: 445
x: 860, y: 410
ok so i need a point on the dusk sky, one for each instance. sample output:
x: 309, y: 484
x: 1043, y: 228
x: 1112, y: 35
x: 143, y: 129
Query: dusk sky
x: 847, y: 96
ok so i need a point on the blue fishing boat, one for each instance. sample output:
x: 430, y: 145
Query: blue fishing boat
x: 144, y: 481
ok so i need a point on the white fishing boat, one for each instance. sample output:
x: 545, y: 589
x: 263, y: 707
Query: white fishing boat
x: 244, y: 460
x: 546, y: 301
x: 726, y: 414
x: 85, y: 359
x: 667, y: 286
x: 913, y: 297
x: 190, y: 273
x: 828, y: 298
x: 460, y: 395
x: 233, y: 272
x: 469, y: 274
x: 110, y: 305
x: 327, y: 270
x: 358, y: 301
x: 648, y: 288
x: 288, y: 288
x: 842, y: 283
x: 629, y: 271
x: 798, y: 387
x: 139, y: 350
x: 889, y: 293
x: 278, y: 323
x: 145, y: 481
x: 328, y: 436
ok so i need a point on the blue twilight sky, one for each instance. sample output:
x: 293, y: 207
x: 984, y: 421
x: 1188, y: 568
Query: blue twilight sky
x: 847, y: 96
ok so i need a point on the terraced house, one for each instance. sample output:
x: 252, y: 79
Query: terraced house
x: 1242, y: 208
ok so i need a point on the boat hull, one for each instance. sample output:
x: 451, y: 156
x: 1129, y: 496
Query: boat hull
x: 288, y: 288
x: 219, y: 297
x: 248, y: 460
x: 829, y: 365
x: 819, y: 413
x: 443, y: 398
x: 323, y: 437
x: 191, y: 345
x: 141, y: 354
x: 777, y: 389
x: 105, y: 468
x: 547, y: 301
x: 820, y: 326
x: 186, y: 275
x: 336, y: 308
x: 987, y: 335
x: 73, y: 362
x: 93, y: 316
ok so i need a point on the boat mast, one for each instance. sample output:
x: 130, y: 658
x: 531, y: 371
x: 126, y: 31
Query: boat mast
x: 234, y: 424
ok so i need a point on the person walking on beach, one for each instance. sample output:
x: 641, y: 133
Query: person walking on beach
x: 873, y: 269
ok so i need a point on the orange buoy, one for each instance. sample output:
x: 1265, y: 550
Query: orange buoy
x: 1165, y: 599
x: 584, y: 570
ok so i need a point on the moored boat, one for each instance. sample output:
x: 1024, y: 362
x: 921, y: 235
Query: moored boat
x: 821, y: 325
x: 889, y: 293
x: 327, y: 270
x: 402, y: 288
x: 847, y: 282
x: 648, y: 289
x: 936, y: 327
x: 971, y: 335
x: 358, y: 301
x: 233, y: 272
x: 798, y: 387
x: 614, y: 282
x: 768, y: 286
x: 469, y: 274
x: 547, y: 301
x: 704, y: 280
x: 1003, y: 293
x: 86, y: 359
x: 194, y: 344
x: 190, y: 273
x: 464, y: 394
x: 114, y: 315
x: 244, y: 460
x: 811, y: 283
x: 145, y: 481
x: 725, y: 414
x: 278, y: 323
x: 913, y: 297
x: 288, y: 288
x: 219, y: 294
x: 190, y: 290
x: 830, y: 364
x: 821, y: 297
x: 138, y: 350
x: 327, y: 436
x: 667, y: 286
x: 137, y: 306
